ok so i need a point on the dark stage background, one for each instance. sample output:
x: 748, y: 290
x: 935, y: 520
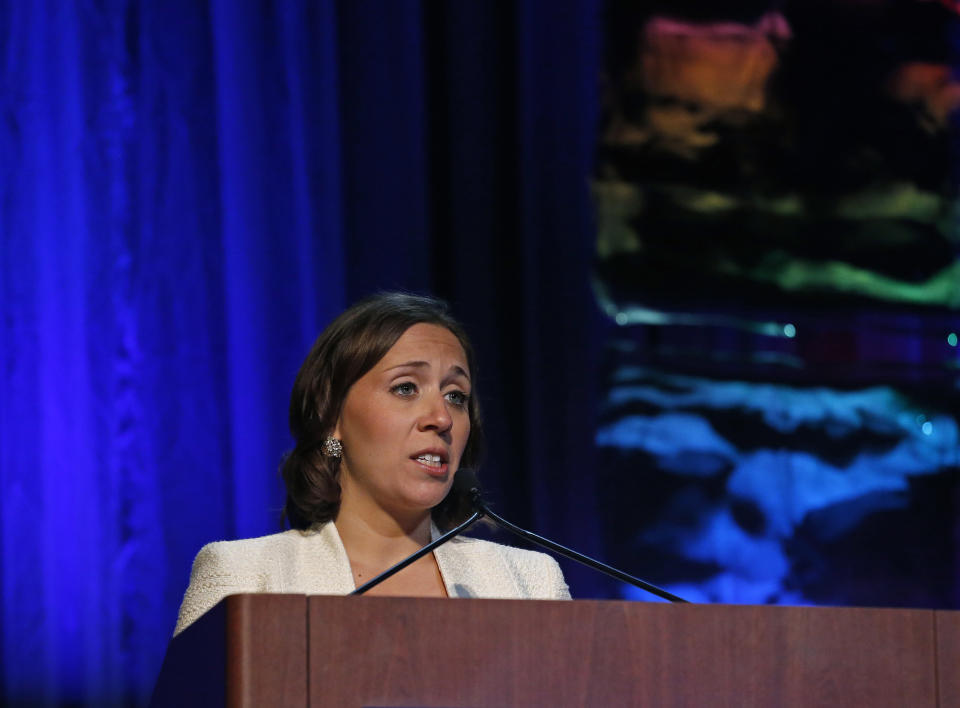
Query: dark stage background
x: 708, y: 259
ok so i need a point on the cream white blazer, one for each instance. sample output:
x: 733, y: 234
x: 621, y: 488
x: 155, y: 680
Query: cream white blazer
x: 314, y: 562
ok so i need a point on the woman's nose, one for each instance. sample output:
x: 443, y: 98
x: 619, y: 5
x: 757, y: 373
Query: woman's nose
x: 435, y: 414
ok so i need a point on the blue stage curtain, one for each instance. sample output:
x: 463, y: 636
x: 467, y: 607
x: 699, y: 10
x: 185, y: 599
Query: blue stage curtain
x: 172, y: 243
x: 189, y: 192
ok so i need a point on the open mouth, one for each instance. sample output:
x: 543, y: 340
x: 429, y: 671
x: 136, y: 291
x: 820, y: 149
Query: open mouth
x: 434, y: 463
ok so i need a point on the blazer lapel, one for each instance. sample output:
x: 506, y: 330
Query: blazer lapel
x: 326, y: 566
x: 472, y: 568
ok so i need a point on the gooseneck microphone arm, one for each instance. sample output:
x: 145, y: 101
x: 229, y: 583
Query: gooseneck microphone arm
x: 569, y: 553
x: 477, y: 515
x: 481, y: 510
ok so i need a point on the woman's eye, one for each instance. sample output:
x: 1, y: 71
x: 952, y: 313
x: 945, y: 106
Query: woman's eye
x: 407, y: 388
x: 458, y: 398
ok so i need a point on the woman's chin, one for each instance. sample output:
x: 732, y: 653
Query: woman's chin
x: 426, y: 496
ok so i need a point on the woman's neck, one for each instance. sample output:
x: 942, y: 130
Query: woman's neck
x: 376, y: 540
x: 376, y: 537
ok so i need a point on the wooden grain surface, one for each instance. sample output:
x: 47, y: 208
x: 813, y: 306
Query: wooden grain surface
x: 948, y: 658
x: 378, y: 651
x: 266, y: 651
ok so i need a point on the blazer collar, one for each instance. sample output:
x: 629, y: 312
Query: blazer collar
x: 450, y: 561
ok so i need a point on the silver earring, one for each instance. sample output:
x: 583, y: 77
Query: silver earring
x: 332, y: 448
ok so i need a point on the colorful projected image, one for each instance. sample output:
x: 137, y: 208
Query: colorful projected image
x: 779, y: 254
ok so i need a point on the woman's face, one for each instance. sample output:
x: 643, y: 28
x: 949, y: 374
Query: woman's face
x: 405, y: 424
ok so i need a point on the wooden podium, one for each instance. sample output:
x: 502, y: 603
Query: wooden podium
x: 296, y: 650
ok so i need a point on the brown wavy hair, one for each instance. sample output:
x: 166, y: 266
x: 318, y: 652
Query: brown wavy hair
x: 345, y: 351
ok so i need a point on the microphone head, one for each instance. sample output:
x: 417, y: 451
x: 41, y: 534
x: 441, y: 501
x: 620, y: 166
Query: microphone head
x: 467, y: 479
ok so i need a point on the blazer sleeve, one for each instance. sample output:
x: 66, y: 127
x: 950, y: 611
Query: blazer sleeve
x: 556, y: 584
x: 214, y: 576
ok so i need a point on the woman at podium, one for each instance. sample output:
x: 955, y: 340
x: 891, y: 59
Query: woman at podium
x: 383, y: 413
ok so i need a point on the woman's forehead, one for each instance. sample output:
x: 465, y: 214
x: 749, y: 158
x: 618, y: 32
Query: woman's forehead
x: 429, y: 344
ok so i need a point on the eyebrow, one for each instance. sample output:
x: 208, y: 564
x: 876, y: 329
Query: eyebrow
x: 425, y: 365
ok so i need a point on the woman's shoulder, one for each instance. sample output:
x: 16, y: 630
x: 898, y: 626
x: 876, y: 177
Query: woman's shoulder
x: 479, y: 546
x: 245, y: 546
x: 249, y: 565
x: 250, y: 553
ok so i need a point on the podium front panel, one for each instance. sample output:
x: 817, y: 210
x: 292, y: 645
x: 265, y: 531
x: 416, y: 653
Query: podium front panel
x: 478, y: 653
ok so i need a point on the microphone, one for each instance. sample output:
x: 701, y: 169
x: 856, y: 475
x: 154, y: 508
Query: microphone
x: 484, y: 510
